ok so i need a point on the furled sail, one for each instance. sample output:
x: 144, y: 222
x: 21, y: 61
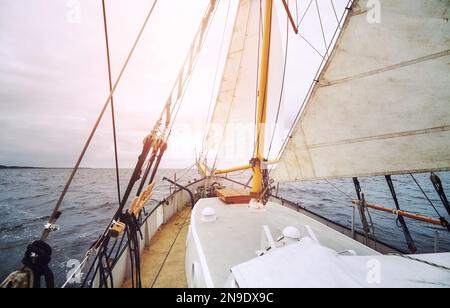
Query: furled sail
x: 382, y: 103
x: 230, y: 136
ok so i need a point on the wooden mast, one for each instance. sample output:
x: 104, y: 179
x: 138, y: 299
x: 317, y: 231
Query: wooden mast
x: 262, y: 100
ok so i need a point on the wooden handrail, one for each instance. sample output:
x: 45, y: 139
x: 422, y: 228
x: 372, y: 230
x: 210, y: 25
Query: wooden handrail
x: 400, y: 213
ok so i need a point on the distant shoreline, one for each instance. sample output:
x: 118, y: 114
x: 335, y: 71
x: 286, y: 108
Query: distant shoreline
x: 2, y: 167
x: 38, y: 168
x: 27, y: 167
x: 16, y: 167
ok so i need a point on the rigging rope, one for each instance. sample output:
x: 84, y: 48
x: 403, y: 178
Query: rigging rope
x: 258, y: 69
x: 149, y: 143
x: 335, y: 13
x: 37, y: 259
x: 312, y: 46
x: 437, y: 183
x: 55, y: 214
x: 282, y: 86
x: 323, y: 34
x: 203, y: 34
x: 304, y: 14
x: 340, y: 190
x: 184, y: 174
x: 157, y: 141
x: 313, y: 83
x: 162, y: 150
x: 321, y: 27
x: 265, y: 99
x: 373, y: 227
x: 77, y: 270
x: 401, y: 220
x: 130, y: 221
x: 351, y: 199
x: 425, y: 194
x: 149, y: 166
x: 421, y: 261
x: 444, y: 221
x: 362, y: 208
x: 108, y: 57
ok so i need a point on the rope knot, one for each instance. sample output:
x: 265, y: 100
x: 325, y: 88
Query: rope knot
x: 37, y: 258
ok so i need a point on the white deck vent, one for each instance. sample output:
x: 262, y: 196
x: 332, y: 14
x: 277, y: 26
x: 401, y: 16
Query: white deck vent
x: 209, y: 215
x: 291, y: 235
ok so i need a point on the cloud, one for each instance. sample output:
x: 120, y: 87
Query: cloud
x: 53, y: 78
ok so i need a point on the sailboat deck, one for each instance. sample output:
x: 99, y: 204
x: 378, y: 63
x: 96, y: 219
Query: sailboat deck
x: 236, y: 235
x: 162, y: 263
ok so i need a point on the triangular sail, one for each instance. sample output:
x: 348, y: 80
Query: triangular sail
x: 231, y: 133
x: 382, y: 103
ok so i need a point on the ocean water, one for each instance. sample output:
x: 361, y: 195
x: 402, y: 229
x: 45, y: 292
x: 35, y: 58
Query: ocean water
x: 27, y: 197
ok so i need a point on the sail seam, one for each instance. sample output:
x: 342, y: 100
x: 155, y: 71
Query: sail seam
x: 362, y: 174
x: 325, y: 83
x: 237, y: 51
x: 381, y: 137
x: 308, y: 152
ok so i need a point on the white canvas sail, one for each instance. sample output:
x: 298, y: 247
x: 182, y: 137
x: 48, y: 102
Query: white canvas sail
x: 231, y: 132
x: 382, y: 103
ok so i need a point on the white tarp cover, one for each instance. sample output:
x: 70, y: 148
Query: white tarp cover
x: 232, y: 126
x: 382, y: 103
x: 310, y: 265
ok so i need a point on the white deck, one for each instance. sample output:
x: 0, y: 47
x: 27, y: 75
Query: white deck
x: 235, y: 236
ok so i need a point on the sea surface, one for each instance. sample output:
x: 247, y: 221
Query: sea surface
x: 27, y: 196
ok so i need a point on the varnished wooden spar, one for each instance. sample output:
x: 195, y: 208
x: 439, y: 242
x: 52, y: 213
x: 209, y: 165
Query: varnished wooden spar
x: 400, y: 213
x: 136, y: 207
x: 139, y: 202
x: 257, y: 181
x: 291, y: 19
x: 203, y: 169
x: 241, y: 168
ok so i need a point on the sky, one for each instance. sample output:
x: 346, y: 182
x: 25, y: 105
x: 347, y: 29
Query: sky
x: 53, y: 75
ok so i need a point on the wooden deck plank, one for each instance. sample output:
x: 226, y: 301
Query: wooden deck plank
x: 162, y: 263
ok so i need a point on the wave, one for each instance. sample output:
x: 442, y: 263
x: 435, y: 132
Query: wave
x: 13, y: 228
x: 103, y: 205
x: 89, y: 205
